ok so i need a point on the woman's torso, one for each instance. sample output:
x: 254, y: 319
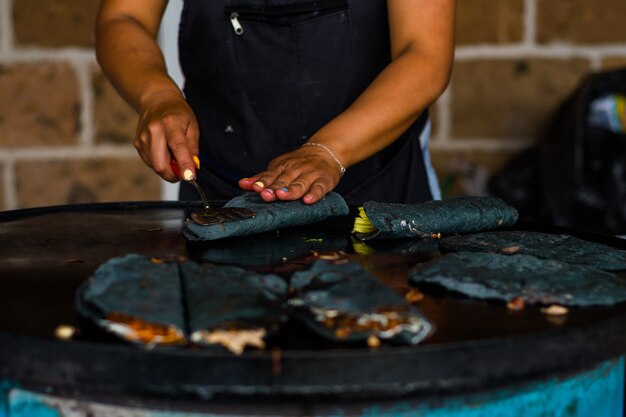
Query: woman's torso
x: 264, y: 76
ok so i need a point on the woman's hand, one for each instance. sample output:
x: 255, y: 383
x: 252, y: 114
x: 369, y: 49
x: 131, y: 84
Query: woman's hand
x: 130, y: 56
x: 167, y: 131
x: 308, y: 172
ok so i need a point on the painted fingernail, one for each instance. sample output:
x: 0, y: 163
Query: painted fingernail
x: 188, y: 175
x: 269, y: 191
x: 196, y: 161
x: 259, y: 184
x: 244, y: 179
x: 284, y: 189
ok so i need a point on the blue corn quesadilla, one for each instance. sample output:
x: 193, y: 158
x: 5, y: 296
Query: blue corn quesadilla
x: 560, y: 247
x: 493, y: 276
x: 343, y: 302
x: 269, y: 216
x: 450, y: 216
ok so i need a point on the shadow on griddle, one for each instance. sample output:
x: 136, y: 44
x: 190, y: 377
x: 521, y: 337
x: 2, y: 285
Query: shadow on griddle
x: 267, y: 249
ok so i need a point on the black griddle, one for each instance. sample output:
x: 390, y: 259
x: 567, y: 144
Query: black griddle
x: 46, y: 253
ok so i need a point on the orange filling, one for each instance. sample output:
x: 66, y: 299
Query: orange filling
x: 379, y: 322
x: 145, y: 332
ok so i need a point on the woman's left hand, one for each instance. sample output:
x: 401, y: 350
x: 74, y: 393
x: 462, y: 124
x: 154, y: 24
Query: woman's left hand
x: 308, y: 172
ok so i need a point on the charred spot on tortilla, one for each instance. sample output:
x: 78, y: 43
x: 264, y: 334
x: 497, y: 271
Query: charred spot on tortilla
x: 560, y: 247
x: 432, y: 219
x: 491, y: 276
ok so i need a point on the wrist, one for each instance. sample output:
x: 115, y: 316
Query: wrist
x: 153, y: 97
x: 342, y: 169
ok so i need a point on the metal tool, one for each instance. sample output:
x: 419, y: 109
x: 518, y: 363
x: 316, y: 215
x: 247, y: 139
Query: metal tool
x: 211, y: 215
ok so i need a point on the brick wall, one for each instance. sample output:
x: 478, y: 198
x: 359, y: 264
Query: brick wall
x: 516, y: 60
x: 65, y: 135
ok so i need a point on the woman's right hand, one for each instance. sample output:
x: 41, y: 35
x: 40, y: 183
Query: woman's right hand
x: 168, y: 130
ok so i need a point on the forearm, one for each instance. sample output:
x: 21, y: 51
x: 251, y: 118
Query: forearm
x: 128, y: 53
x: 387, y: 107
x: 422, y: 49
x: 132, y: 60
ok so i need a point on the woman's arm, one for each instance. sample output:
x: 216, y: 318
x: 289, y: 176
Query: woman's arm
x: 129, y: 55
x: 422, y: 47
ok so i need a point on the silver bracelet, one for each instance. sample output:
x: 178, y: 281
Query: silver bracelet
x: 342, y: 169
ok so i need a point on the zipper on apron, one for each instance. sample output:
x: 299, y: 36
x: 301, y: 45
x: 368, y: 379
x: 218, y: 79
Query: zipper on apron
x: 234, y: 14
x: 234, y: 20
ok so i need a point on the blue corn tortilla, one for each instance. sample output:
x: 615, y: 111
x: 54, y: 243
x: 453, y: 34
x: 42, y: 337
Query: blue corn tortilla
x: 491, y: 276
x: 232, y: 298
x: 560, y: 247
x: 269, y: 216
x: 189, y: 296
x: 131, y: 291
x: 329, y: 295
x: 450, y: 216
x: 137, y: 287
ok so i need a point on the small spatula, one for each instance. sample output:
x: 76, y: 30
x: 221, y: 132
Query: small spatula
x: 210, y: 215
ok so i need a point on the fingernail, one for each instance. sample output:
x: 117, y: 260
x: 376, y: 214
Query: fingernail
x: 196, y: 161
x: 188, y: 175
x: 259, y: 184
x: 269, y: 191
x: 284, y: 189
x: 244, y: 179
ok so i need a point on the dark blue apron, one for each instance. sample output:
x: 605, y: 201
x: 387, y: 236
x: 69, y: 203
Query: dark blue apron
x: 262, y: 76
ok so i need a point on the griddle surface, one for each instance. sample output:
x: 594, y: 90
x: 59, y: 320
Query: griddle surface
x: 47, y: 253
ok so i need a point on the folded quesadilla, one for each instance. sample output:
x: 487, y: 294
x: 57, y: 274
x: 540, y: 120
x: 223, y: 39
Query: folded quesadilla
x: 231, y: 306
x: 269, y: 216
x: 345, y: 303
x: 450, y: 216
x: 137, y: 298
x: 507, y: 277
x: 560, y: 247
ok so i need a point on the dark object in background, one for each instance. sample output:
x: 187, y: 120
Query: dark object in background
x: 576, y: 174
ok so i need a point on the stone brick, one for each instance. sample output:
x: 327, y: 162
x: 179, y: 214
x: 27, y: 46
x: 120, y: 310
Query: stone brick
x: 84, y: 181
x: 39, y: 104
x: 510, y: 99
x: 467, y: 172
x: 616, y: 62
x: 489, y: 21
x: 54, y: 23
x: 115, y: 121
x: 581, y: 21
